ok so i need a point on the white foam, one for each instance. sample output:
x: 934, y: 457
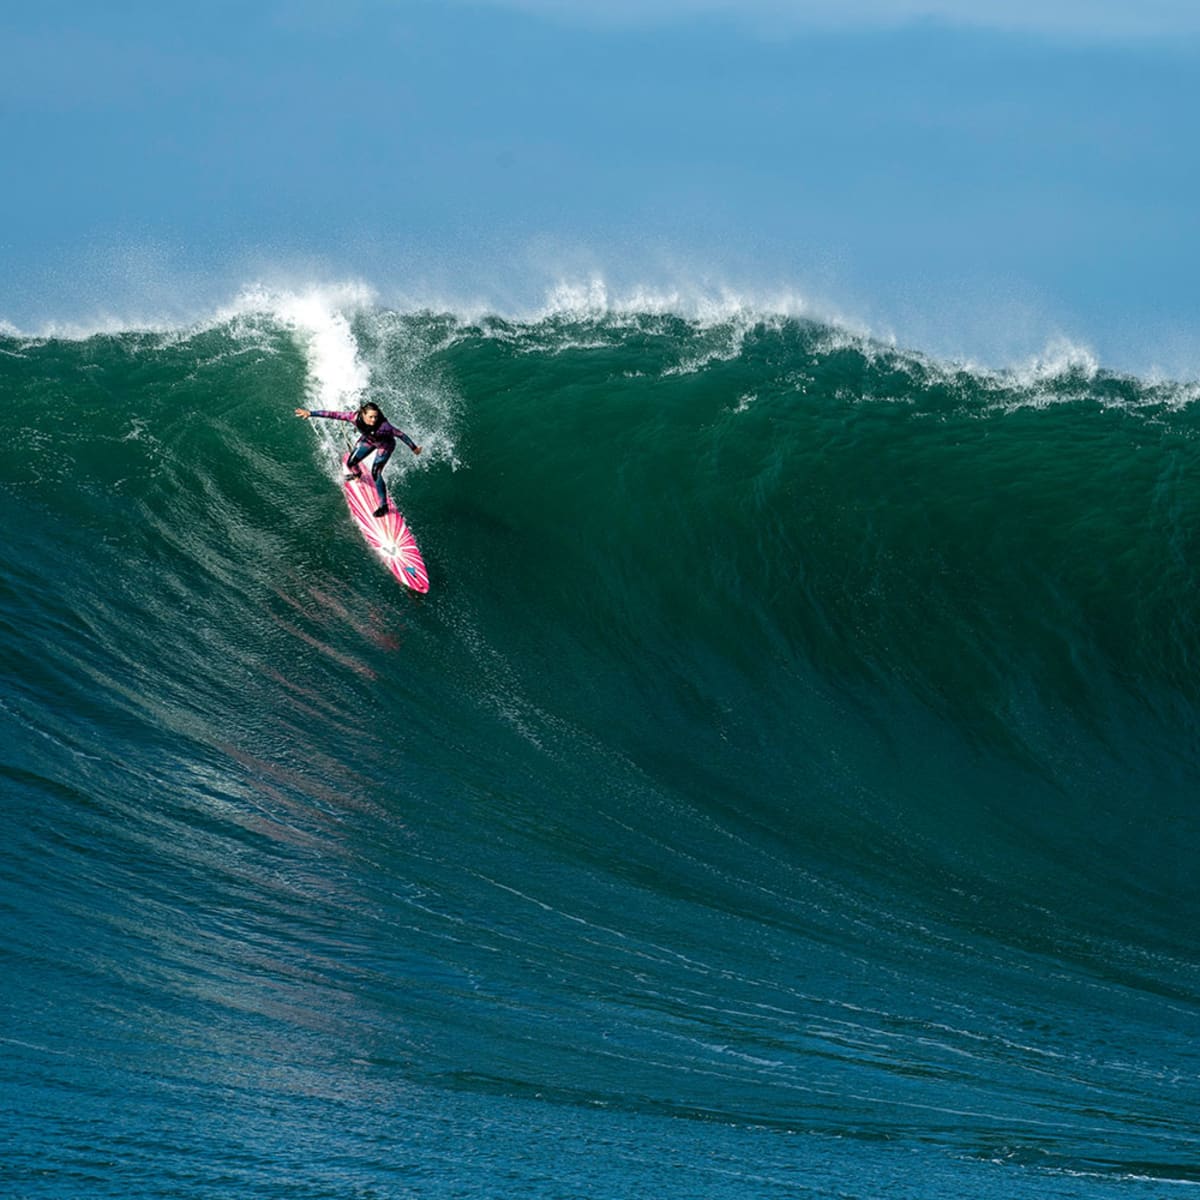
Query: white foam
x: 340, y: 378
x: 100, y: 325
x: 323, y: 315
x: 337, y: 375
x: 1060, y: 357
x: 706, y: 304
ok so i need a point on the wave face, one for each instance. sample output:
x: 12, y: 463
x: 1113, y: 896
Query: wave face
x: 788, y: 786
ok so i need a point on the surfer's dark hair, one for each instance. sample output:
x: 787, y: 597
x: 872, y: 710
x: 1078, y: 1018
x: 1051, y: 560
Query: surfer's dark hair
x: 369, y: 428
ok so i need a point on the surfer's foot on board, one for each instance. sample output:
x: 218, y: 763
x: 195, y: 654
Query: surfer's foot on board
x: 381, y: 511
x: 353, y: 475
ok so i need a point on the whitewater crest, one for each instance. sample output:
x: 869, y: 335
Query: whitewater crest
x: 356, y: 338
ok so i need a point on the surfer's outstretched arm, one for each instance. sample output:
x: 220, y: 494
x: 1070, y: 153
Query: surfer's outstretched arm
x: 305, y: 413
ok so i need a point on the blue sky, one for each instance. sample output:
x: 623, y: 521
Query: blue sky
x: 976, y: 179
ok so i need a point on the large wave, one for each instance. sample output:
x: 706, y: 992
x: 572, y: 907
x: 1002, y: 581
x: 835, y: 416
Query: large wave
x: 799, y: 735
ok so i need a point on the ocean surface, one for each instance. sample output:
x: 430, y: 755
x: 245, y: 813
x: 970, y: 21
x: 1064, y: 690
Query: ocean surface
x: 790, y: 785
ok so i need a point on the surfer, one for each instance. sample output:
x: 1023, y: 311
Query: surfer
x: 375, y: 432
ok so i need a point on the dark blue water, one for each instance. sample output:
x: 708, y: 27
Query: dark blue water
x: 788, y: 787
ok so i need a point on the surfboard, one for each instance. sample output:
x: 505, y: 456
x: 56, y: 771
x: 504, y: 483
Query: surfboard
x: 389, y: 536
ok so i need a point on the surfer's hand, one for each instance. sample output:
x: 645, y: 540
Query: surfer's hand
x: 416, y: 449
x: 303, y: 413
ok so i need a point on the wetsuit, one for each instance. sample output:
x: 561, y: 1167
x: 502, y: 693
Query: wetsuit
x: 381, y: 438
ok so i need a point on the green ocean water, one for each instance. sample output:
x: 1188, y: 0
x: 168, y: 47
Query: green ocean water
x: 787, y: 787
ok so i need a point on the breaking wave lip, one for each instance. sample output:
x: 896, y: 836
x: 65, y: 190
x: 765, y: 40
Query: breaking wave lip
x: 322, y: 313
x: 587, y: 298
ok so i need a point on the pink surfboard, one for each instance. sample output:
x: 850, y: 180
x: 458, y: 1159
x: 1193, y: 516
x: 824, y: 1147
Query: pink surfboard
x: 389, y: 535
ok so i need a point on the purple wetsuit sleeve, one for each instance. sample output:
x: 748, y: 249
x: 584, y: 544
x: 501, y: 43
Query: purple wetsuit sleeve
x: 399, y: 433
x: 333, y: 416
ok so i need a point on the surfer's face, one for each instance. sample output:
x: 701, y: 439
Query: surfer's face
x: 371, y: 417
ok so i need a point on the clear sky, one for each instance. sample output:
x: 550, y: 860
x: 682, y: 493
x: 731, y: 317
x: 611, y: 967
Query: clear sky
x: 976, y: 178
